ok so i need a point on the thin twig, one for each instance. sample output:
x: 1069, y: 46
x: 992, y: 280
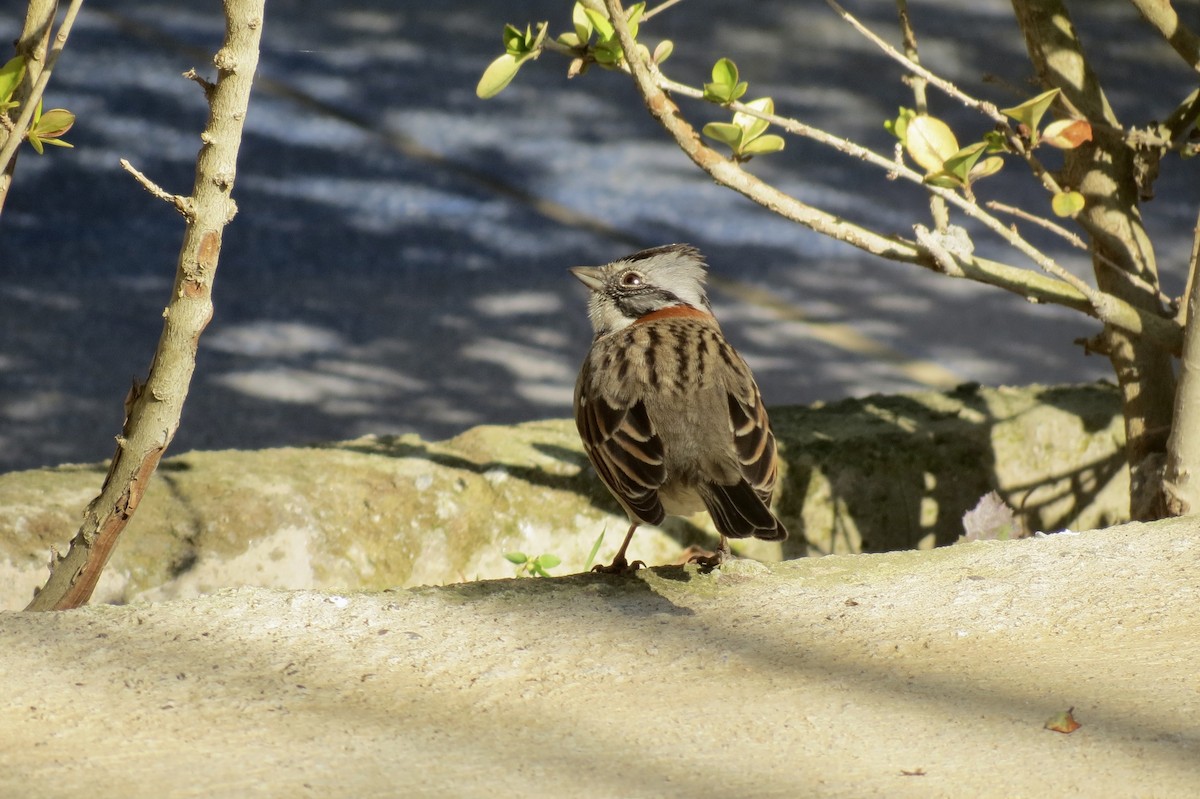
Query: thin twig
x: 26, y: 118
x: 181, y: 204
x: 937, y: 206
x: 933, y: 241
x: 1055, y: 228
x: 663, y: 6
x: 1078, y: 243
x: 200, y: 80
x: 910, y: 50
x: 651, y: 84
x: 982, y: 106
x: 973, y: 210
x: 1181, y: 121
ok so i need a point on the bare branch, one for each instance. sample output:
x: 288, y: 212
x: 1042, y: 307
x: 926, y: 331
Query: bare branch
x: 910, y: 51
x: 1055, y: 228
x: 937, y: 206
x: 153, y: 409
x: 203, y: 82
x: 1078, y: 243
x: 936, y: 244
x: 1162, y: 16
x: 1075, y: 294
x: 181, y: 204
x: 987, y: 109
x: 983, y: 107
x: 736, y: 178
x: 663, y: 6
x: 1180, y: 122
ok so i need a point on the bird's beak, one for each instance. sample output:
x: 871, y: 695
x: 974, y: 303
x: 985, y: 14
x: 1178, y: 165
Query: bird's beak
x: 590, y: 276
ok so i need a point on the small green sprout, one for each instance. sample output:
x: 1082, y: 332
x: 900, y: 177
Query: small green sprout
x: 725, y: 86
x: 532, y: 567
x: 48, y: 127
x: 518, y: 48
x: 744, y: 135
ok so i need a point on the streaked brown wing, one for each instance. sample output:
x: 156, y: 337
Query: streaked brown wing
x: 752, y: 438
x: 624, y: 449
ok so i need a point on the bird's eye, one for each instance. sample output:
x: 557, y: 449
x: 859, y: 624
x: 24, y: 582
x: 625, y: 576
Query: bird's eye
x: 631, y: 279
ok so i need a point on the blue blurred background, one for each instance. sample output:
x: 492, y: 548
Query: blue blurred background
x: 398, y: 260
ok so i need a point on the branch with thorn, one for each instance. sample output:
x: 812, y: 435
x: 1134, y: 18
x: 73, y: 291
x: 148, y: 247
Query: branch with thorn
x: 180, y: 203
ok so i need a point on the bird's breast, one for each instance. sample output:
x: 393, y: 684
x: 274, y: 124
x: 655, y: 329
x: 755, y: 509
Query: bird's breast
x: 674, y: 355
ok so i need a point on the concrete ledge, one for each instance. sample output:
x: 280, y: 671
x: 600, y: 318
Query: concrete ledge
x: 876, y: 474
x: 907, y: 674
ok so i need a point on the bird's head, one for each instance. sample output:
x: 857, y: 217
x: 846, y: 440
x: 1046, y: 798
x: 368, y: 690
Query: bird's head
x: 652, y: 280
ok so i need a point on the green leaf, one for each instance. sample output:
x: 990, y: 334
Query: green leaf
x: 718, y: 93
x: 53, y: 123
x: 725, y: 87
x: 725, y: 73
x: 535, y: 44
x: 1030, y: 112
x: 961, y: 162
x: 753, y: 125
x: 996, y: 143
x: 582, y: 23
x: 943, y: 179
x: 514, y: 40
x: 763, y: 145
x: 591, y: 558
x: 633, y: 17
x: 516, y: 557
x: 663, y: 51
x: 898, y: 127
x: 725, y: 132
x: 568, y: 40
x: 10, y: 77
x: 930, y: 142
x: 548, y: 561
x: 600, y: 23
x: 988, y: 166
x: 1067, y: 203
x: 498, y: 75
x: 608, y: 53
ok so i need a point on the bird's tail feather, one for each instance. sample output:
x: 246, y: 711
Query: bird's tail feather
x: 739, y: 512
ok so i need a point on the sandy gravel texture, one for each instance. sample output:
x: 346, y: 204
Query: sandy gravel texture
x: 913, y: 674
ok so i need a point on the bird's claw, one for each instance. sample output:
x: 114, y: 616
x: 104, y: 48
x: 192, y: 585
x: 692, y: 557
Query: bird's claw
x: 708, y: 562
x: 618, y: 566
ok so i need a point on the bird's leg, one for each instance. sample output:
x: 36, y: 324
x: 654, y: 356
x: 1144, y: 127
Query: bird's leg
x: 710, y: 562
x: 619, y: 564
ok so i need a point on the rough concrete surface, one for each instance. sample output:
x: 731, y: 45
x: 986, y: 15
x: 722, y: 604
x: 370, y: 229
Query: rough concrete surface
x: 909, y: 674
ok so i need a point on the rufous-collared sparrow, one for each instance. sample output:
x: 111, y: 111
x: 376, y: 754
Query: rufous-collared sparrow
x: 670, y: 416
